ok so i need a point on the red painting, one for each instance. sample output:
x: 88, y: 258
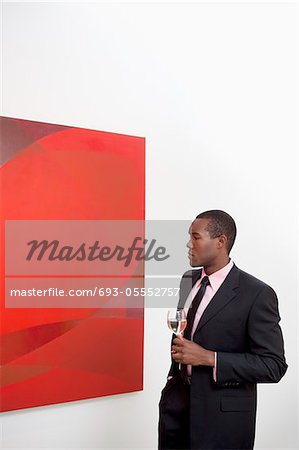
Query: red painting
x: 57, y: 177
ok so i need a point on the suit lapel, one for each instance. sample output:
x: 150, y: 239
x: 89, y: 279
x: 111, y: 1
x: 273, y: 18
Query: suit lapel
x: 226, y: 292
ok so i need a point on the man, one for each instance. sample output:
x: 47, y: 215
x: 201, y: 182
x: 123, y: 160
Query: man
x: 232, y: 342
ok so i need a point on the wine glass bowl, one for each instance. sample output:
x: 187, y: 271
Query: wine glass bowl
x: 177, y: 321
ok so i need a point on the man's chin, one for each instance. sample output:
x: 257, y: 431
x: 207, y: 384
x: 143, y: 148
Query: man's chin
x: 194, y: 263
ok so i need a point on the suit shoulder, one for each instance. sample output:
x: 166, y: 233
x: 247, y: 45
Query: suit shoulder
x: 191, y: 273
x: 188, y: 273
x: 254, y: 282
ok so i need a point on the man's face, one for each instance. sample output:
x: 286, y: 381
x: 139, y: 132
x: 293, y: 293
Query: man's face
x: 203, y: 250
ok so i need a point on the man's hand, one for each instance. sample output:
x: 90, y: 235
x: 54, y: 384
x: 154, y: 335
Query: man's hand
x: 188, y: 352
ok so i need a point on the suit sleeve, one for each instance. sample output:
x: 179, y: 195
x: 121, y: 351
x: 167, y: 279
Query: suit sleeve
x: 185, y: 283
x: 265, y: 360
x: 174, y: 368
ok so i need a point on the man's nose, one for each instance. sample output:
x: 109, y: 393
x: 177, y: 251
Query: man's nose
x: 189, y: 244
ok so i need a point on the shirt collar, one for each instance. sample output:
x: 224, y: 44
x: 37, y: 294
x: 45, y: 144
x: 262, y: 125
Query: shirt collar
x: 217, y: 278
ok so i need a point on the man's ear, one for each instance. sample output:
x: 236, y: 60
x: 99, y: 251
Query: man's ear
x: 222, y: 241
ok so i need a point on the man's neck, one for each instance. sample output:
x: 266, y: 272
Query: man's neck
x: 216, y: 266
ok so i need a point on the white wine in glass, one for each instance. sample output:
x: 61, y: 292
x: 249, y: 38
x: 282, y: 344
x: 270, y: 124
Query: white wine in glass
x: 177, y: 321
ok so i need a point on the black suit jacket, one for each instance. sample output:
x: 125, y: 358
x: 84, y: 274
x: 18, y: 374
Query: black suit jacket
x: 241, y: 323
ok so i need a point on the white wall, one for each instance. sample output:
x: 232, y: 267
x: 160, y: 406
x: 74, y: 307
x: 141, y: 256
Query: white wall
x: 212, y: 88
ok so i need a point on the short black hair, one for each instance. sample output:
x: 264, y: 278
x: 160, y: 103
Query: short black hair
x: 220, y: 223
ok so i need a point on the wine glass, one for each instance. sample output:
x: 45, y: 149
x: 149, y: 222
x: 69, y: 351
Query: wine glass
x: 177, y: 321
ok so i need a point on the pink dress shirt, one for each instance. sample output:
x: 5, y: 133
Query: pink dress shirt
x: 216, y: 280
